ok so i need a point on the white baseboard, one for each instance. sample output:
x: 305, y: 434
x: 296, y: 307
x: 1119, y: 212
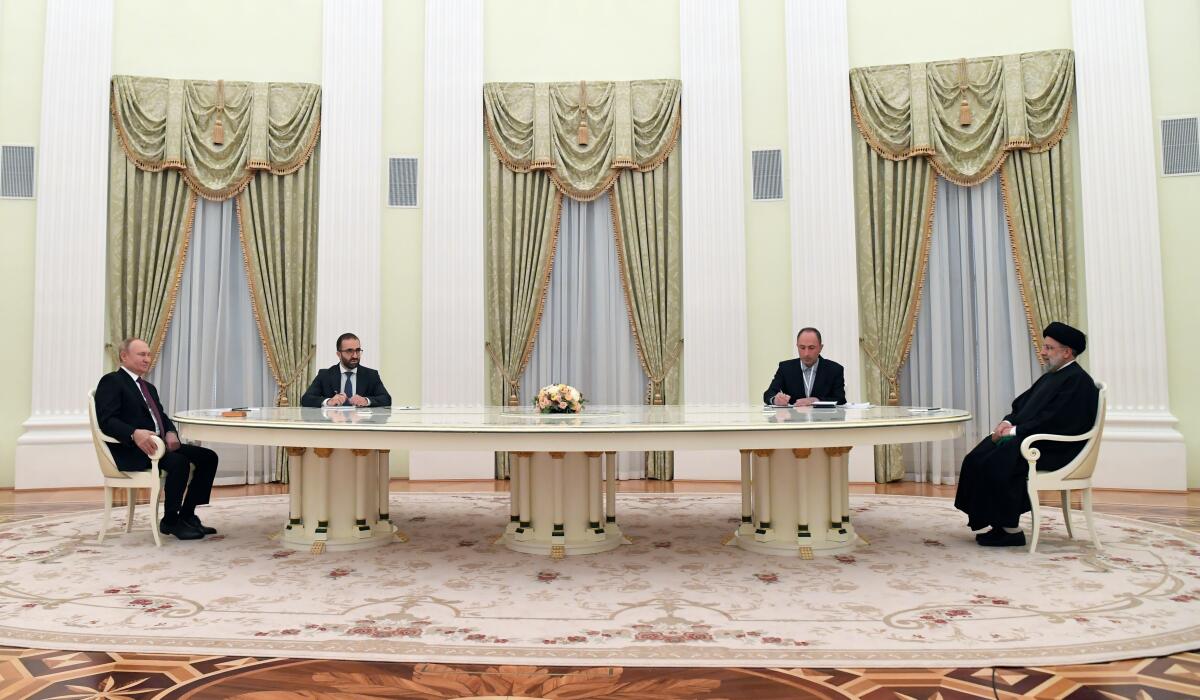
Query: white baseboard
x: 56, y: 453
x: 429, y: 465
x: 1141, y: 451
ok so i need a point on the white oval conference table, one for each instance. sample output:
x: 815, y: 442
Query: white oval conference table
x: 794, y: 476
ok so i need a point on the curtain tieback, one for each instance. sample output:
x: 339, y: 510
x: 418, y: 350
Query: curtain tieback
x: 281, y: 398
x: 893, y: 398
x: 653, y: 397
x: 513, y: 384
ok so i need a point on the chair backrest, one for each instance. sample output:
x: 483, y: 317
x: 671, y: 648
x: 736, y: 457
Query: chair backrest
x: 108, y: 466
x: 1086, y: 460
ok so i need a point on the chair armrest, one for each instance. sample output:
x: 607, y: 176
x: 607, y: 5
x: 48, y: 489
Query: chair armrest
x: 108, y: 439
x: 160, y: 447
x: 1032, y: 454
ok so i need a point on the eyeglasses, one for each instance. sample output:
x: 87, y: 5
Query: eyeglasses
x: 352, y: 351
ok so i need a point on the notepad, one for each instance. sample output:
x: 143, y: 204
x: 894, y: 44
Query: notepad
x: 824, y: 404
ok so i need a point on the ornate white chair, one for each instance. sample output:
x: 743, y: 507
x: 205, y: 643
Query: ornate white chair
x: 1075, y: 475
x: 114, y: 478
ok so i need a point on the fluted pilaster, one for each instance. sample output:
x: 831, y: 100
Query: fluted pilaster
x: 452, y: 273
x: 348, y: 262
x: 714, y: 252
x: 1119, y: 224
x: 821, y: 188
x: 72, y: 197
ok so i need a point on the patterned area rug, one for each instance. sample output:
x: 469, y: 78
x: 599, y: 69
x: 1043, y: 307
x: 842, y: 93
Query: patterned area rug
x: 921, y: 594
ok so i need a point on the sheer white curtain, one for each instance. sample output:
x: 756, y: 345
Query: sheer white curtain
x: 585, y: 339
x: 212, y: 356
x: 971, y: 349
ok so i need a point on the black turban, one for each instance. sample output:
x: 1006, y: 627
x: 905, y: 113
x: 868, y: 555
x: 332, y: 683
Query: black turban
x: 1071, y: 337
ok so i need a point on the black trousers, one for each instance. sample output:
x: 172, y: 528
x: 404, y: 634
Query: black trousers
x: 181, y: 494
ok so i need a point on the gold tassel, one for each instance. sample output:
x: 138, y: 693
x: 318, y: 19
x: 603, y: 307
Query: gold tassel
x: 218, y: 135
x: 964, y: 109
x: 584, y: 134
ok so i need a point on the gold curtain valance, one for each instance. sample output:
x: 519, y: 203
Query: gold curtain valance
x: 535, y: 126
x: 168, y: 124
x: 1019, y: 101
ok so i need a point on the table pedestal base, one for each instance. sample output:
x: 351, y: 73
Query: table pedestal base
x: 796, y: 503
x: 338, y: 500
x: 562, y: 504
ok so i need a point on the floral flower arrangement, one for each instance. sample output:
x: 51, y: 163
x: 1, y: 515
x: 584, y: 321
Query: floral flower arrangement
x: 559, y: 398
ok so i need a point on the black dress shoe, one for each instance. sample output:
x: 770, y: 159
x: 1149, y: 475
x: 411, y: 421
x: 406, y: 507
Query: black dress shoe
x: 196, y: 524
x: 181, y: 529
x: 979, y: 537
x: 1003, y: 539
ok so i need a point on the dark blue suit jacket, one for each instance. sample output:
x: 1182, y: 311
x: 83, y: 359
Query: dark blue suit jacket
x: 329, y: 382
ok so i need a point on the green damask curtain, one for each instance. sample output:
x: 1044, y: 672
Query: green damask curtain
x: 961, y: 119
x: 631, y: 130
x: 646, y: 219
x: 150, y: 217
x: 1037, y: 204
x: 277, y: 216
x: 893, y: 220
x: 176, y: 140
x: 522, y: 234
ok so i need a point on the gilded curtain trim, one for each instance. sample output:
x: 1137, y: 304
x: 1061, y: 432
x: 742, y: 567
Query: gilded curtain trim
x: 213, y: 195
x: 1022, y: 275
x: 173, y: 295
x: 545, y: 285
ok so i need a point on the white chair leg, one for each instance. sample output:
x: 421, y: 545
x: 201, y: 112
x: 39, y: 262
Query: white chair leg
x: 107, y: 513
x: 154, y: 491
x: 131, y: 496
x: 1066, y: 509
x: 1036, y: 511
x: 1087, y: 515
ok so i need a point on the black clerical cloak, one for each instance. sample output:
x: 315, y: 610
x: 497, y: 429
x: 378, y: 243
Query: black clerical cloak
x: 992, y: 484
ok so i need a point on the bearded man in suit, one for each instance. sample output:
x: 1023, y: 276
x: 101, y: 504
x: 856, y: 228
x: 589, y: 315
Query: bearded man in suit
x: 808, y: 378
x: 347, y: 382
x: 128, y: 409
x: 992, y: 483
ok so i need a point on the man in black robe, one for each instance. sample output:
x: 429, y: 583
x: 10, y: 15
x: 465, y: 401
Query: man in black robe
x: 992, y: 488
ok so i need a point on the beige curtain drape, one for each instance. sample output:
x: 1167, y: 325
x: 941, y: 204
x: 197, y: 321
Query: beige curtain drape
x: 646, y: 222
x: 176, y: 140
x: 173, y: 141
x: 1037, y: 205
x: 893, y: 219
x: 962, y: 119
x: 277, y: 216
x: 150, y: 217
x: 536, y: 157
x: 522, y: 233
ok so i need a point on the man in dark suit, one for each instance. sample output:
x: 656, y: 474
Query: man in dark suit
x: 992, y: 484
x: 808, y: 378
x: 128, y: 409
x: 347, y: 382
